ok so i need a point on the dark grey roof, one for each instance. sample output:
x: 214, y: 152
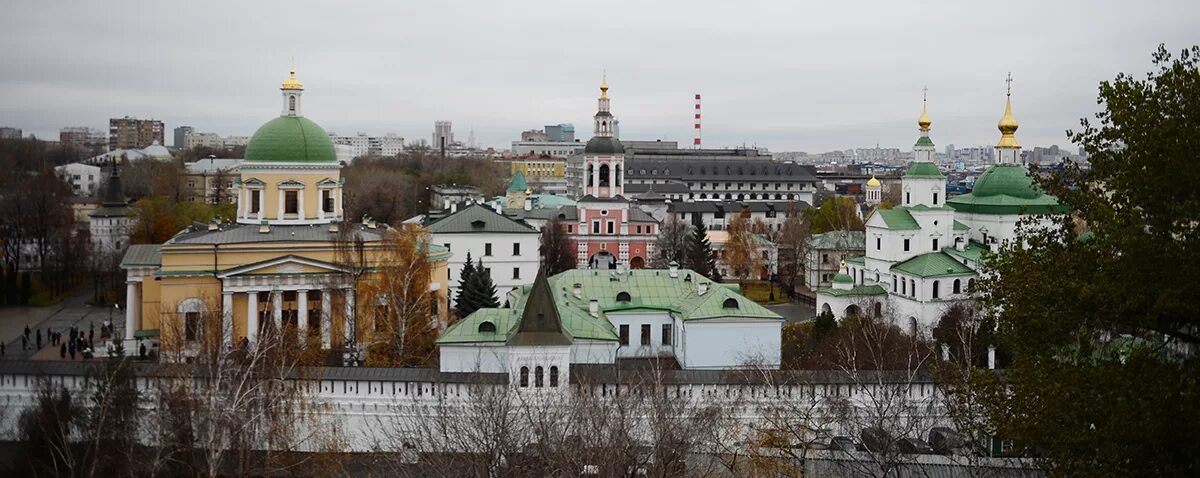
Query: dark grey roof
x: 563, y: 213
x: 763, y: 170
x: 714, y: 206
x: 672, y: 187
x: 142, y: 255
x: 479, y: 219
x: 540, y: 323
x: 604, y: 145
x: 233, y: 233
x: 153, y: 369
x: 115, y: 204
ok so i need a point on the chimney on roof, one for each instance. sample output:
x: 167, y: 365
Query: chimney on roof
x: 702, y: 288
x: 445, y: 204
x: 594, y: 307
x: 577, y: 290
x: 674, y: 269
x: 498, y: 208
x: 214, y: 224
x: 960, y: 244
x: 528, y: 203
x: 453, y: 207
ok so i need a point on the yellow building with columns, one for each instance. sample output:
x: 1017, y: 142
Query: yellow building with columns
x: 288, y: 261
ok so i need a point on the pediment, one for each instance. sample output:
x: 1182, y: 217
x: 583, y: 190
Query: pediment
x: 285, y: 265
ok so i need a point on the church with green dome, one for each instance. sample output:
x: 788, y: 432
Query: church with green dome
x: 924, y: 255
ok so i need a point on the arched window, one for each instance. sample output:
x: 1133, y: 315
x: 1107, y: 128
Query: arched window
x: 524, y: 376
x: 957, y: 286
x: 935, y: 289
x: 730, y: 303
x: 903, y: 287
x: 590, y: 176
x: 487, y: 327
x: 970, y: 285
x: 537, y: 377
x: 553, y: 376
x: 603, y: 175
x: 623, y: 296
x: 292, y: 104
x: 912, y: 287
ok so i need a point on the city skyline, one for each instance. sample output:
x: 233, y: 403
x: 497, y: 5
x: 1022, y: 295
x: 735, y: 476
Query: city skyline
x: 851, y: 78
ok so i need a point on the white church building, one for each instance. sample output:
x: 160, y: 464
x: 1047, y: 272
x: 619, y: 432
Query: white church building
x: 924, y: 255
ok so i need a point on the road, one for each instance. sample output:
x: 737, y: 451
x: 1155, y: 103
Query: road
x: 794, y: 311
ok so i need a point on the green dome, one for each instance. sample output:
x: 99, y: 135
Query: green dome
x: 843, y: 279
x: 1009, y: 180
x: 518, y: 183
x: 290, y: 139
x: 924, y: 171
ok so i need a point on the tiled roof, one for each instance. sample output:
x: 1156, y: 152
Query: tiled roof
x: 479, y: 219
x: 719, y: 170
x: 898, y: 218
x: 933, y: 264
x: 142, y: 255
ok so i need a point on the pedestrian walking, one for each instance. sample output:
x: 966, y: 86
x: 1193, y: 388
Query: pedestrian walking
x: 39, y: 339
x: 62, y: 351
x: 26, y: 331
x: 91, y: 335
x: 24, y: 343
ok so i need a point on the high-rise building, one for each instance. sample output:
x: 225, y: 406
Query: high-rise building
x: 181, y: 134
x: 443, y: 135
x: 82, y: 137
x: 209, y: 140
x: 362, y: 145
x: 563, y: 132
x: 133, y: 133
x: 10, y: 133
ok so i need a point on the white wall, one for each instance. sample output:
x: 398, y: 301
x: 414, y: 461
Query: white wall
x: 593, y: 351
x: 635, y: 320
x: 501, y: 262
x: 491, y: 358
x: 723, y: 344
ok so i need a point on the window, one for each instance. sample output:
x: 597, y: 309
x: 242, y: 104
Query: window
x: 623, y: 297
x: 191, y: 326
x: 327, y: 201
x: 649, y: 229
x: 912, y: 287
x: 957, y: 286
x: 537, y: 377
x: 906, y: 245
x: 291, y: 202
x: 516, y: 273
x: 553, y: 376
x: 610, y: 227
x: 907, y: 198
x: 666, y: 334
x: 516, y: 248
x: 903, y: 287
x: 570, y: 229
x: 645, y: 334
x: 487, y: 249
x: 639, y: 229
x: 255, y: 197
x: 292, y: 103
x: 595, y: 227
x: 824, y: 258
x: 524, y: 376
x: 935, y: 198
x: 624, y: 334
x: 447, y: 245
x: 935, y: 289
x: 878, y: 244
x: 935, y: 244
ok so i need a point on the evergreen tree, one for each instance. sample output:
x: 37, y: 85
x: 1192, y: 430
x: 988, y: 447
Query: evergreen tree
x: 478, y: 293
x: 701, y: 257
x: 464, y: 278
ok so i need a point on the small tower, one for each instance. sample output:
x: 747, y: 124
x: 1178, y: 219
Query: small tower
x: 1008, y: 151
x: 923, y: 183
x: 923, y: 151
x: 514, y: 197
x: 539, y: 352
x: 604, y: 156
x: 874, y: 191
x: 292, y: 89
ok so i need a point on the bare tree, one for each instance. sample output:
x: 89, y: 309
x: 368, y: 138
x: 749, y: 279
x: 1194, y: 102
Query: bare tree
x: 793, y: 244
x: 674, y: 239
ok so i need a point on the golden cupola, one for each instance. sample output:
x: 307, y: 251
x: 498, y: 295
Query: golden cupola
x: 292, y: 83
x: 1008, y: 124
x: 604, y: 87
x: 924, y: 121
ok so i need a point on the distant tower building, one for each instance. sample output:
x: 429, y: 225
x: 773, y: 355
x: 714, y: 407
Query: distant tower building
x: 923, y: 151
x: 874, y: 191
x: 604, y: 157
x: 1007, y: 150
x: 133, y: 133
x: 923, y: 183
x: 110, y: 223
x: 443, y: 135
x: 181, y: 134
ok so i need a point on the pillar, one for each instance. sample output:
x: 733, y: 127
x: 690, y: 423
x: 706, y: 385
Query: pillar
x: 279, y: 214
x: 595, y: 180
x: 302, y: 320
x: 277, y: 309
x: 252, y: 316
x: 349, y: 320
x: 133, y: 309
x: 612, y: 179
x: 326, y: 323
x: 300, y: 204
x: 337, y: 208
x: 227, y: 319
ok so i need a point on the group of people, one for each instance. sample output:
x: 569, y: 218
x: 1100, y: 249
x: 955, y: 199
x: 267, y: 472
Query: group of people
x: 77, y: 342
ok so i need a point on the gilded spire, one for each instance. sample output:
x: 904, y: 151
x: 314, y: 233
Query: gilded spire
x: 924, y: 120
x: 604, y: 86
x: 292, y: 83
x: 1008, y: 124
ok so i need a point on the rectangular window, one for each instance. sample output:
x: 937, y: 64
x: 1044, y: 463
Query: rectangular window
x: 191, y: 326
x: 516, y: 248
x: 516, y: 273
x: 649, y: 229
x: 645, y: 334
x: 624, y: 334
x: 255, y: 201
x: 878, y: 243
x: 570, y: 229
x: 487, y: 249
x: 595, y: 227
x: 824, y: 258
x: 327, y: 201
x: 291, y: 202
x: 447, y: 245
x: 906, y: 245
x: 935, y: 198
x: 639, y: 229
x: 610, y: 227
x: 666, y: 334
x: 935, y: 244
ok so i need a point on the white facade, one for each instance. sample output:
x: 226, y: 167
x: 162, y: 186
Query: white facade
x: 83, y: 179
x: 559, y: 149
x: 511, y: 258
x: 363, y: 145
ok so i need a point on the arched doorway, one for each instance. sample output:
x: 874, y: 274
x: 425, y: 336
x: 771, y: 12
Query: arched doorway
x: 602, y: 260
x: 637, y: 263
x: 853, y: 310
x: 825, y: 308
x: 878, y: 310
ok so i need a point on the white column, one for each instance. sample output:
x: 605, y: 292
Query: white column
x: 227, y: 319
x: 595, y: 179
x: 350, y: 319
x: 280, y: 212
x: 252, y: 316
x: 262, y: 204
x: 277, y: 309
x: 337, y: 208
x: 302, y: 321
x: 612, y: 178
x: 300, y: 204
x: 241, y: 201
x: 133, y: 309
x: 326, y: 323
x: 321, y: 204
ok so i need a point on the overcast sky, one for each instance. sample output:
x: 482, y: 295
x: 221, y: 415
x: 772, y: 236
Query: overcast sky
x: 790, y: 76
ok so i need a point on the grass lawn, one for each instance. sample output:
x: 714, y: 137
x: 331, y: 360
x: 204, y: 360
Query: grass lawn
x: 760, y: 291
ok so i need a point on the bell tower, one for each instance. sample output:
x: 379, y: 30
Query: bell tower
x: 292, y: 89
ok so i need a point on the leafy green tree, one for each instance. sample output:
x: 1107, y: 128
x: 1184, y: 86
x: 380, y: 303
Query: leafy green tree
x: 834, y: 214
x: 464, y: 278
x: 701, y: 257
x: 1103, y: 328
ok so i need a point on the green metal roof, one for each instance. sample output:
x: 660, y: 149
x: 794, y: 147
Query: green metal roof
x: 843, y: 279
x: 958, y: 226
x: 973, y: 252
x: 924, y: 170
x: 898, y: 218
x: 924, y: 141
x: 518, y: 183
x: 477, y: 218
x: 649, y: 290
x: 857, y: 260
x: 290, y: 139
x: 142, y: 255
x: 933, y: 264
x: 856, y: 291
x: 1006, y: 189
x: 839, y: 240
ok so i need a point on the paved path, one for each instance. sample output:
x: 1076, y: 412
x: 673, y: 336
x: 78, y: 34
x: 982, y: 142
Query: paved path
x: 794, y: 311
x: 59, y: 317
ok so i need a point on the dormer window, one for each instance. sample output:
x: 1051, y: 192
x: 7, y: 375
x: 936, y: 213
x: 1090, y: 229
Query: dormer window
x: 487, y: 327
x: 623, y: 297
x: 730, y: 303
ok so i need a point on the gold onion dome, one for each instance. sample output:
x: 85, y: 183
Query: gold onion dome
x: 604, y: 88
x: 1008, y: 127
x: 873, y: 183
x: 924, y: 121
x: 292, y: 83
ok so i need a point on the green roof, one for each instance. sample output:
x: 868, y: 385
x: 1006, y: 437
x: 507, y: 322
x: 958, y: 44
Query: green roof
x: 1006, y: 189
x: 958, y: 226
x: 924, y: 171
x: 142, y: 255
x: 898, y: 218
x: 932, y: 264
x: 856, y: 291
x: 648, y: 289
x: 518, y: 183
x: 972, y: 252
x: 924, y: 141
x: 477, y: 218
x: 843, y: 279
x: 290, y: 139
x: 857, y: 260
